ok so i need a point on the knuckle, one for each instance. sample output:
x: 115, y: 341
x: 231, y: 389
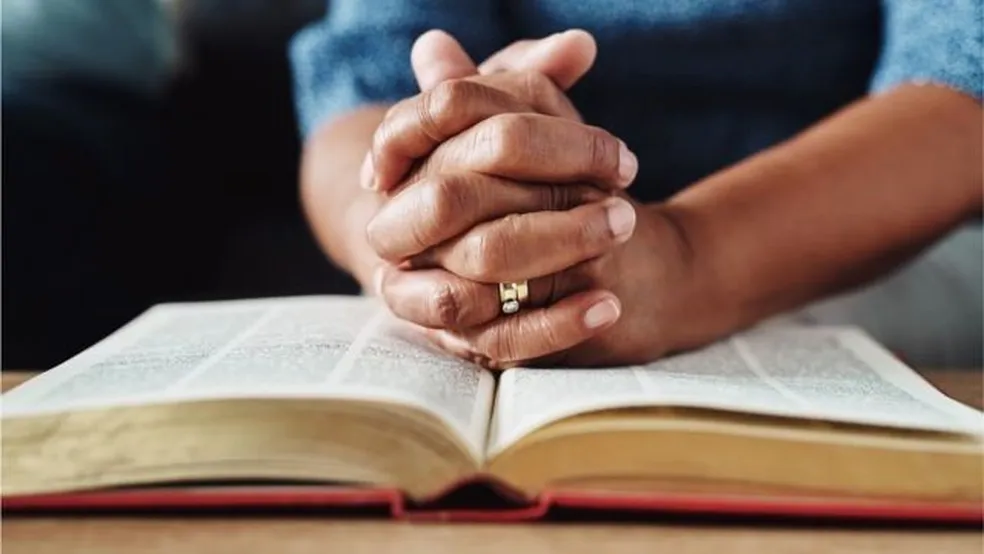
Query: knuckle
x: 381, y: 137
x: 515, y: 127
x: 558, y: 197
x: 443, y: 106
x: 508, y: 136
x: 484, y: 253
x: 443, y: 198
x: 500, y: 344
x: 442, y: 96
x: 523, y: 339
x: 455, y: 93
x: 380, y: 237
x: 397, y: 108
x: 550, y: 336
x: 602, y: 154
x: 565, y: 197
x: 417, y: 215
x: 538, y: 86
x: 445, y: 306
x: 428, y: 112
x: 542, y: 93
x: 476, y: 262
x: 591, y: 232
x: 418, y: 233
x: 485, y: 140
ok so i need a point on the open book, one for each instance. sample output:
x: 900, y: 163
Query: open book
x: 317, y: 391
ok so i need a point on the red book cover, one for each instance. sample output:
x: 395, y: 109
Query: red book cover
x: 491, y: 502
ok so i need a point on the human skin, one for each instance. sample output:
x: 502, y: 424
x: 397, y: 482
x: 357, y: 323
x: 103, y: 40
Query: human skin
x: 842, y: 203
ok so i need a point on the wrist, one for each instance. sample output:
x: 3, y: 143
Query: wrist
x: 709, y: 297
x: 340, y: 232
x: 336, y: 208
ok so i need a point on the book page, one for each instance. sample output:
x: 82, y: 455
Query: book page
x: 303, y: 347
x: 833, y: 374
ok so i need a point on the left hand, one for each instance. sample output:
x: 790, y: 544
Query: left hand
x: 526, y: 76
x: 631, y: 304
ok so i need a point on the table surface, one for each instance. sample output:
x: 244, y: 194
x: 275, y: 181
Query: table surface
x: 310, y: 534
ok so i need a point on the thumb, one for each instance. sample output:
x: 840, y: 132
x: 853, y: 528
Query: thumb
x: 436, y: 57
x: 563, y: 57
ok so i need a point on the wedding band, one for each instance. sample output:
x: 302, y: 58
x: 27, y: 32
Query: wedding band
x: 513, y: 295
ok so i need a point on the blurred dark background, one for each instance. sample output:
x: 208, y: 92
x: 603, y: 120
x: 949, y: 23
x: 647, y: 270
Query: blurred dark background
x: 187, y: 195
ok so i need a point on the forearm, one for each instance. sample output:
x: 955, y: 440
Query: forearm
x: 838, y: 205
x: 336, y: 207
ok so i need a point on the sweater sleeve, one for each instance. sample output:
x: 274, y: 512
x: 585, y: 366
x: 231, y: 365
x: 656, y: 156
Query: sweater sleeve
x: 932, y: 42
x: 359, y: 53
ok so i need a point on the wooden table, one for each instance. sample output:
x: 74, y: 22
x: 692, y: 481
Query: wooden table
x: 169, y: 535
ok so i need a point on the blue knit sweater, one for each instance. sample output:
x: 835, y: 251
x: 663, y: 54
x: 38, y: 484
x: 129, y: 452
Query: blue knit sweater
x: 690, y: 85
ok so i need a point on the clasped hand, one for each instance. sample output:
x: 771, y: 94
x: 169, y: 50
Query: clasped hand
x: 493, y: 177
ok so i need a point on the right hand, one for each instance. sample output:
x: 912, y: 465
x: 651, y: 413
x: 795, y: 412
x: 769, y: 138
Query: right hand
x: 502, y: 170
x: 498, y: 172
x: 482, y: 149
x: 336, y: 211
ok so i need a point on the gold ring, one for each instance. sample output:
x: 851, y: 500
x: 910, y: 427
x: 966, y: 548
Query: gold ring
x: 513, y: 295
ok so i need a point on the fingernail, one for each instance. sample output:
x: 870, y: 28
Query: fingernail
x: 621, y: 218
x: 365, y: 173
x: 628, y: 165
x: 601, y: 314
